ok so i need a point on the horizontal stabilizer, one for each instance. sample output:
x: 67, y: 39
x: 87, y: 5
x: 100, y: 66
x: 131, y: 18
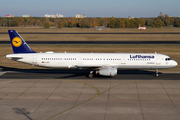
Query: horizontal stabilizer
x: 14, y: 57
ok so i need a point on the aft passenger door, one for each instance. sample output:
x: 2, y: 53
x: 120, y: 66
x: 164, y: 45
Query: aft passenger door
x: 34, y: 59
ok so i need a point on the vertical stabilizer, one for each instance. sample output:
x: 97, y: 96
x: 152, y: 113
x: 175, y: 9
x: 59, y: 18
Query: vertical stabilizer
x: 18, y: 44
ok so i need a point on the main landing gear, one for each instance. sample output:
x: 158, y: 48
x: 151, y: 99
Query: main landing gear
x: 90, y: 74
x: 156, y: 72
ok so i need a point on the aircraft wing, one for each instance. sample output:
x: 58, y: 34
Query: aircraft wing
x: 89, y: 66
x: 96, y: 66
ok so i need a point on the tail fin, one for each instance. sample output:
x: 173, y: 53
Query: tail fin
x: 18, y: 44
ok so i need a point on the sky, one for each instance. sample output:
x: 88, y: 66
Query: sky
x: 90, y: 8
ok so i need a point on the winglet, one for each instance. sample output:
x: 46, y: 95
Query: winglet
x: 18, y: 44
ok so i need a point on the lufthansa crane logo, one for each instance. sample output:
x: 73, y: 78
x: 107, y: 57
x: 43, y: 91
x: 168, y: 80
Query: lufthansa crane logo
x: 16, y: 42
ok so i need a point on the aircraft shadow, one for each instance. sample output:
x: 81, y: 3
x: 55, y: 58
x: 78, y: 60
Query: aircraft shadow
x: 22, y: 111
x: 73, y: 73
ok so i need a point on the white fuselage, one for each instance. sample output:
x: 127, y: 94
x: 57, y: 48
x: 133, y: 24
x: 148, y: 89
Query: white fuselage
x: 93, y: 60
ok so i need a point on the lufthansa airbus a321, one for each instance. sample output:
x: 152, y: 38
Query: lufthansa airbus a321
x: 105, y: 64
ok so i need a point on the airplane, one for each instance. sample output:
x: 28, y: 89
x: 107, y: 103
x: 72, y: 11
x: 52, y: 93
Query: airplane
x: 105, y: 64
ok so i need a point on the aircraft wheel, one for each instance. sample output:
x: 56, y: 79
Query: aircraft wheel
x: 90, y: 75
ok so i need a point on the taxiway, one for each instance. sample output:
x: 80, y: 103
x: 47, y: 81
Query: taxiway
x: 53, y: 96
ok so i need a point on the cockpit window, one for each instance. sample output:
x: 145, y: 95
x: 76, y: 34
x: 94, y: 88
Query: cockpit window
x: 167, y: 59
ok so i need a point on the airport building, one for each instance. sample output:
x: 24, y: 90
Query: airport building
x: 26, y: 15
x: 54, y: 16
x: 131, y: 17
x: 9, y: 15
x: 80, y: 16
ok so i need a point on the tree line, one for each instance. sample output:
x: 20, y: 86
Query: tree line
x: 163, y: 20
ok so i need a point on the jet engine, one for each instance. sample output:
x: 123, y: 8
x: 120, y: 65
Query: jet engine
x: 109, y: 71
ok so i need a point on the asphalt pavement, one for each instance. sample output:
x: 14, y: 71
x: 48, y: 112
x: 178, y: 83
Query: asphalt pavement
x: 57, y: 96
x: 62, y: 74
x: 98, y: 42
x: 92, y: 33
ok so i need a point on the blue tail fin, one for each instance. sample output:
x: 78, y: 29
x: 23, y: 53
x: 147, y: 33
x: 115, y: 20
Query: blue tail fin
x: 18, y: 44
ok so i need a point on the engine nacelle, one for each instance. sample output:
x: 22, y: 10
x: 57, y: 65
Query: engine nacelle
x: 108, y: 71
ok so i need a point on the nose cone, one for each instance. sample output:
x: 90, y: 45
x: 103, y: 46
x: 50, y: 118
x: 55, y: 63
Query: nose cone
x: 174, y: 63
